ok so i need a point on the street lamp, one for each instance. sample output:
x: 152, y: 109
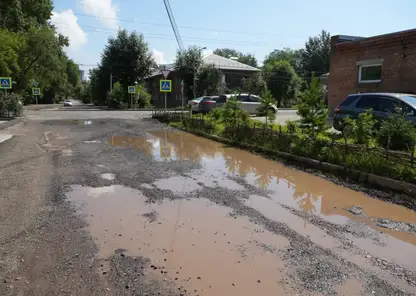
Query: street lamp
x: 195, y: 70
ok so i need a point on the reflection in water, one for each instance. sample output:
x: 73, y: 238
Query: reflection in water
x: 285, y: 185
x: 196, y: 243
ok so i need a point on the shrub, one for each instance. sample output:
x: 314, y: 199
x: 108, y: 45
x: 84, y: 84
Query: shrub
x: 266, y: 106
x: 116, y: 97
x: 143, y: 97
x: 365, y: 128
x: 11, y: 104
x: 312, y: 109
x: 348, y: 128
x: 397, y: 133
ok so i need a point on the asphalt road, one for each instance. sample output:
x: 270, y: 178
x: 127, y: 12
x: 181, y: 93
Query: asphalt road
x: 114, y: 203
x: 282, y: 116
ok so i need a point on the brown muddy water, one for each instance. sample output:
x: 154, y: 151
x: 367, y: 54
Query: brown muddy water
x: 206, y: 248
x: 193, y: 243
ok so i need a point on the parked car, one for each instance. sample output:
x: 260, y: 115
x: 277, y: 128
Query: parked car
x: 382, y: 105
x: 203, y: 104
x: 67, y: 103
x: 247, y: 102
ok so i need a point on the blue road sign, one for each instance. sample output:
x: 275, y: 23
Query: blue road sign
x: 5, y: 82
x: 36, y: 91
x: 132, y: 89
x: 165, y: 85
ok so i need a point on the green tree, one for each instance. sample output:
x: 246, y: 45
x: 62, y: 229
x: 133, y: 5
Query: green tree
x: 314, y: 58
x: 19, y: 16
x: 285, y: 54
x: 266, y: 106
x: 72, y: 70
x: 255, y: 84
x: 312, y: 110
x: 248, y: 59
x: 209, y: 81
x: 187, y: 64
x: 128, y: 60
x: 10, y: 45
x: 282, y: 81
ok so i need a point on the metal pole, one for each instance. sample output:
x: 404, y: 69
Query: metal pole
x: 194, y: 90
x: 166, y: 102
x: 131, y: 101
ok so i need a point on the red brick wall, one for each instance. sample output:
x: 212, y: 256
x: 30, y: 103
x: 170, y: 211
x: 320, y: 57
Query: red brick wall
x: 398, y: 69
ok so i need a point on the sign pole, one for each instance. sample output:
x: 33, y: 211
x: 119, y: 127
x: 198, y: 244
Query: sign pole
x: 166, y: 101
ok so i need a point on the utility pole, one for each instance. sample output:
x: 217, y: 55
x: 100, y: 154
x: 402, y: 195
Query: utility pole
x: 111, y: 81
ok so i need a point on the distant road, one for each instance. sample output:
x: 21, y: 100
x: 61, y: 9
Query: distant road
x: 282, y: 116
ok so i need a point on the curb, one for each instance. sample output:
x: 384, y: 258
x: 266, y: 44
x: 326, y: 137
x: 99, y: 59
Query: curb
x: 10, y: 123
x: 359, y: 176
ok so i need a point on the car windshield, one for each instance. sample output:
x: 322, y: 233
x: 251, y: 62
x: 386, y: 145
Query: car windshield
x: 410, y: 100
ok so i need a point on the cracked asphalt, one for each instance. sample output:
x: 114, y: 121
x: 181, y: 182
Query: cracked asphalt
x: 114, y: 203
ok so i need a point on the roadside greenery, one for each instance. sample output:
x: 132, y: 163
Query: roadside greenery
x: 33, y: 51
x: 10, y: 104
x: 360, y: 146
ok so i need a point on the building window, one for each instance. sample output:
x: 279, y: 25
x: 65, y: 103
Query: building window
x: 369, y: 73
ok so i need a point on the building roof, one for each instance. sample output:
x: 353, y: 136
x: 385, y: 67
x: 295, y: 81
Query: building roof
x: 222, y: 63
x: 353, y: 40
x: 219, y: 62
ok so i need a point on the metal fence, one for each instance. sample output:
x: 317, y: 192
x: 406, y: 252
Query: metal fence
x: 285, y: 140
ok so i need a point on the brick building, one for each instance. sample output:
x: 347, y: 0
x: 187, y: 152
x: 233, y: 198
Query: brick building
x: 233, y: 73
x: 385, y: 63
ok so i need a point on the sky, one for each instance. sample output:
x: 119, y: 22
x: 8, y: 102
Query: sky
x: 256, y: 27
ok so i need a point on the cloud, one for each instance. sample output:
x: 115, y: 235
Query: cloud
x: 158, y: 56
x: 66, y: 23
x: 105, y: 10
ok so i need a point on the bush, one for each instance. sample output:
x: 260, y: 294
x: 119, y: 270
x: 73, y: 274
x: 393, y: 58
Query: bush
x: 397, y: 133
x: 116, y: 97
x: 11, y: 104
x: 143, y: 97
x: 266, y: 106
x: 365, y: 128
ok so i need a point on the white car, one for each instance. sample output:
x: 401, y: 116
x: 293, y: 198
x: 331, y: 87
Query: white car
x: 67, y: 103
x: 248, y: 102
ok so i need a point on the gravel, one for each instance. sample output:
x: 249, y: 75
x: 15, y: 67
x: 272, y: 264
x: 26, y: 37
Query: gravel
x: 64, y: 259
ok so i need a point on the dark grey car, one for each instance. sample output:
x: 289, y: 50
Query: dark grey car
x: 382, y: 104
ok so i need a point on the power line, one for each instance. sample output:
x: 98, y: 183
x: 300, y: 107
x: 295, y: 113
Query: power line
x: 202, y: 40
x: 184, y: 27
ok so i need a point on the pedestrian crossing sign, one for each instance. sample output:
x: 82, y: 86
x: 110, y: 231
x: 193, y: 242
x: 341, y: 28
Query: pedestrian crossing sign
x: 132, y: 89
x: 36, y: 91
x: 5, y: 82
x: 165, y: 85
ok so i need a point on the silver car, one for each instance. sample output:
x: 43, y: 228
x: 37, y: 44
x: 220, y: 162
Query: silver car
x: 67, y: 103
x: 248, y: 102
x: 203, y: 104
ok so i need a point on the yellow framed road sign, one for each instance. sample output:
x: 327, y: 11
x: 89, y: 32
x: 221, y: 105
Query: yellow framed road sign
x: 165, y: 85
x: 36, y: 91
x: 6, y: 83
x: 165, y: 152
x: 131, y: 89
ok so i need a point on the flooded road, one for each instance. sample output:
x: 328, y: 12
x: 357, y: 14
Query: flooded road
x: 240, y: 224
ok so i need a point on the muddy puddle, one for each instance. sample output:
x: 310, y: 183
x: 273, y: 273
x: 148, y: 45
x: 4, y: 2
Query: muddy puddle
x: 284, y: 186
x: 192, y: 243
